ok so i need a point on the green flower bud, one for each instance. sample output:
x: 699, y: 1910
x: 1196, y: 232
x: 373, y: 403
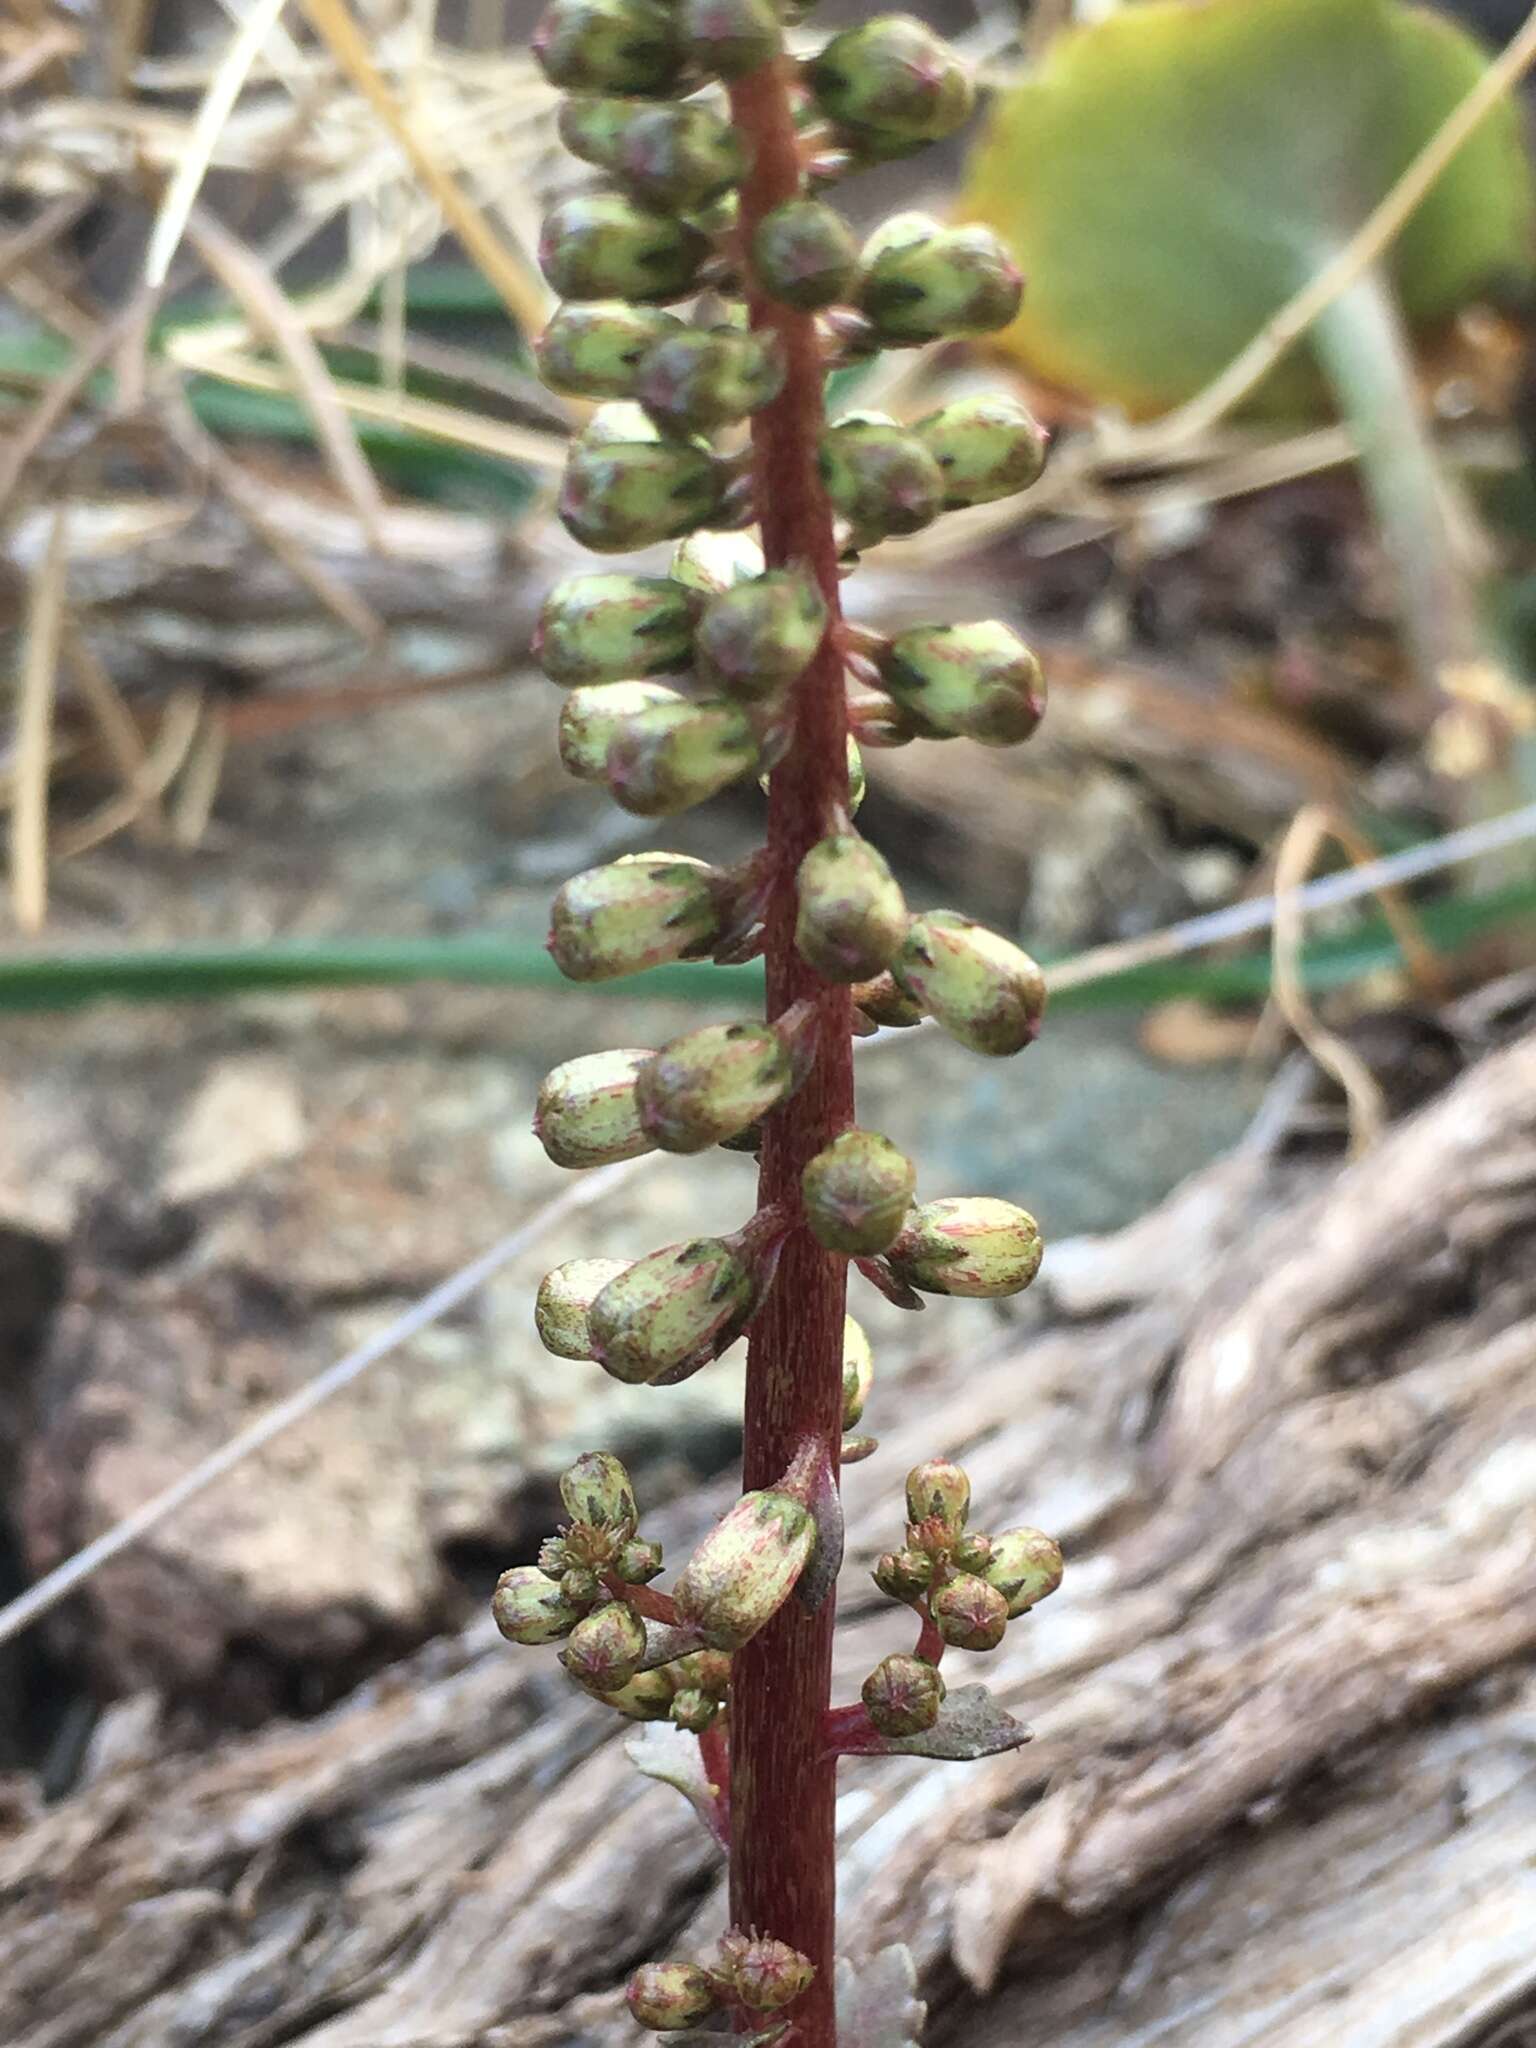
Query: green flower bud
x: 594, y: 351
x: 587, y: 1114
x: 727, y: 38
x: 746, y: 1568
x: 647, y: 1697
x: 694, y: 1710
x: 973, y: 1553
x: 581, y: 1586
x: 669, y: 1996
x: 592, y: 718
x: 765, y: 1975
x: 670, y: 757
x: 922, y: 282
x: 858, y: 1371
x: 885, y: 1004
x: 706, y: 563
x: 880, y: 478
x: 857, y: 780
x: 902, y: 1696
x: 851, y: 916
x: 969, y: 1614
x: 976, y: 681
x: 804, y: 254
x: 980, y: 987
x: 856, y: 1193
x: 600, y: 245
x: 605, y: 1651
x: 638, y: 1562
x: 707, y: 1670
x: 622, y: 495
x: 704, y: 377
x: 938, y: 1491
x: 988, y: 447
x: 968, y: 1244
x: 893, y: 75
x: 529, y: 1608
x: 564, y: 1298
x: 608, y: 628
x: 903, y: 1574
x: 756, y: 638
x: 597, y: 1490
x: 637, y: 912
x: 670, y: 1307
x: 712, y: 1083
x: 1025, y: 1566
x: 675, y: 158
x: 622, y: 46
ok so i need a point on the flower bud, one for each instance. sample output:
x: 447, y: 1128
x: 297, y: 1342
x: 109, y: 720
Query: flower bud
x: 902, y: 1696
x: 851, y: 916
x: 856, y: 1193
x: 529, y: 1608
x: 600, y: 245
x: 597, y: 1490
x: 694, y: 1710
x: 592, y: 718
x: 605, y: 1651
x: 669, y: 757
x: 647, y: 1697
x: 669, y: 1996
x: 977, y: 681
x: 621, y: 495
x: 981, y: 988
x: 674, y: 158
x: 639, y: 911
x: 704, y: 377
x: 921, y: 282
x: 885, y: 1004
x: 756, y: 638
x: 581, y: 1586
x: 893, y: 75
x: 729, y: 37
x: 669, y: 1307
x: 638, y: 1562
x: 746, y: 1568
x: 712, y: 1083
x: 968, y: 1244
x: 903, y: 1574
x: 972, y: 1553
x: 587, y: 1114
x: 765, y: 1975
x: 608, y: 628
x: 622, y: 46
x: 988, y: 447
x: 939, y: 1491
x: 858, y: 1371
x: 857, y: 781
x: 707, y: 1670
x: 565, y: 1297
x: 969, y: 1614
x: 880, y: 478
x: 804, y: 254
x: 707, y: 563
x: 1025, y: 1566
x: 594, y: 351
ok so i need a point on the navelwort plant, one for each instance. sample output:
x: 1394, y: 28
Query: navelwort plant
x: 715, y: 147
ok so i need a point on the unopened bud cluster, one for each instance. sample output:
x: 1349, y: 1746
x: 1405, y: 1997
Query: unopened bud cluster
x: 750, y: 1975
x: 968, y: 1585
x: 684, y: 681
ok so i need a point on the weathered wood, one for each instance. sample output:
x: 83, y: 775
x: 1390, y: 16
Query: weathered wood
x: 1284, y: 1775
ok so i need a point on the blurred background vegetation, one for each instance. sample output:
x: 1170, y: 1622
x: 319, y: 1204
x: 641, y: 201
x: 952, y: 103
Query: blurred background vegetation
x: 275, y: 516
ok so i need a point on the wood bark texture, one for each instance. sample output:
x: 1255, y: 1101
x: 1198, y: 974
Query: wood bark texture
x: 1283, y: 1786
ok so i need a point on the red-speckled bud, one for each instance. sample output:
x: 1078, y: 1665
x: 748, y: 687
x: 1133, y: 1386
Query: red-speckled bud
x: 902, y: 1696
x: 970, y: 1614
x: 746, y: 1568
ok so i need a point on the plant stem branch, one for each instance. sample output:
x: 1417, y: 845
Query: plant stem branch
x: 782, y: 1780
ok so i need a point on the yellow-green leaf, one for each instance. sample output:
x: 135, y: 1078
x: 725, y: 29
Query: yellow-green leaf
x: 1172, y: 174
